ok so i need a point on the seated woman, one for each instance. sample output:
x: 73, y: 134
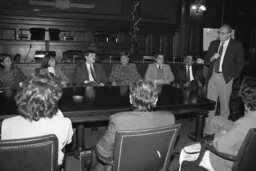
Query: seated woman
x: 143, y: 98
x: 124, y: 73
x: 159, y: 72
x: 38, y: 113
x: 229, y: 135
x: 49, y: 66
x: 10, y: 77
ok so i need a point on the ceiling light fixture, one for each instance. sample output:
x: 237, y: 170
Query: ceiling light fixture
x: 198, y: 6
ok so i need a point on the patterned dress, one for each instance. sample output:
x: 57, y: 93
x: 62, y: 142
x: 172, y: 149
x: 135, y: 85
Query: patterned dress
x: 11, y: 78
x: 124, y: 75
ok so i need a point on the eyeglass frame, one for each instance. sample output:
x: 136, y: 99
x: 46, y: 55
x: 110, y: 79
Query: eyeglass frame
x: 222, y: 33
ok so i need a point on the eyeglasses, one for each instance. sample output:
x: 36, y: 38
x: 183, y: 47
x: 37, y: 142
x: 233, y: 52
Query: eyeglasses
x: 222, y: 33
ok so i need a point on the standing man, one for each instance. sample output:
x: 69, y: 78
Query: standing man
x: 226, y: 59
x: 89, y: 73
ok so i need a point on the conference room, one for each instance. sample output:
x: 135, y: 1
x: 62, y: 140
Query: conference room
x: 64, y: 31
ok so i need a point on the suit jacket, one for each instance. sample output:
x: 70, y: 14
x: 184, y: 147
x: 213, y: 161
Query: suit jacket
x: 231, y: 141
x: 58, y: 73
x: 233, y: 61
x: 197, y: 74
x: 151, y: 73
x: 131, y: 120
x: 81, y: 74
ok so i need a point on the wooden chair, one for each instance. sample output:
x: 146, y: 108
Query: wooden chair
x: 29, y: 154
x: 149, y: 58
x: 141, y: 150
x: 244, y: 160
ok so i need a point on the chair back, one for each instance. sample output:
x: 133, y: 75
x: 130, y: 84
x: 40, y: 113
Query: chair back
x: 145, y: 150
x: 247, y: 153
x: 148, y: 58
x: 29, y: 154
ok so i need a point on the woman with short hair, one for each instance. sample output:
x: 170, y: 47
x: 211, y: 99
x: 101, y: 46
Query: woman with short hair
x: 37, y: 103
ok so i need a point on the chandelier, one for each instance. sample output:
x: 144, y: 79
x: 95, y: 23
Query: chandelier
x: 198, y: 6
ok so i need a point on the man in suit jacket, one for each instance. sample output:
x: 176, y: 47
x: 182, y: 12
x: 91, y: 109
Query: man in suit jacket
x: 226, y: 59
x: 88, y: 72
x: 190, y: 76
x: 159, y: 72
x: 143, y: 97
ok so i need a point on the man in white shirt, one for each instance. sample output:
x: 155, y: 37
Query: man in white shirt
x: 88, y: 72
x: 190, y: 76
x: 226, y: 59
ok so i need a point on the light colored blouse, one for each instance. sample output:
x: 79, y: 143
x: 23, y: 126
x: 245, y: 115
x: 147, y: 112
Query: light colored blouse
x: 18, y: 127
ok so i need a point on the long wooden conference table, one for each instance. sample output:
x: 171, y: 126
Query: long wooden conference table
x: 99, y: 103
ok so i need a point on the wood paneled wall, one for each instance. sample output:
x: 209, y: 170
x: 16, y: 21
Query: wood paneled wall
x: 158, y: 27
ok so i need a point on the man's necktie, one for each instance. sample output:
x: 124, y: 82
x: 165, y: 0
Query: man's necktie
x: 217, y: 62
x: 92, y: 72
x: 160, y: 67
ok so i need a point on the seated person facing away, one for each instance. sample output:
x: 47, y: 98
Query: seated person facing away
x: 10, y: 76
x: 124, y: 73
x: 38, y: 113
x: 49, y: 66
x: 190, y: 76
x: 88, y: 72
x: 159, y: 72
x: 229, y: 135
x: 143, y: 98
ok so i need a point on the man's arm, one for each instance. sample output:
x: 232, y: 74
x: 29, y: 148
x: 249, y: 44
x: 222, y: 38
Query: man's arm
x: 105, y: 146
x: 209, y: 54
x: 170, y: 77
x: 226, y: 141
x: 239, y: 60
x: 148, y: 73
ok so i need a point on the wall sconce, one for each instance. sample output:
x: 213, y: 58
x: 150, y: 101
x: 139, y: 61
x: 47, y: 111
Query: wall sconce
x: 198, y: 6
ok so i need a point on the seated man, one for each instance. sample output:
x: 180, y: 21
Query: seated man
x: 143, y: 97
x: 190, y: 76
x: 159, y: 72
x: 229, y: 135
x: 89, y: 73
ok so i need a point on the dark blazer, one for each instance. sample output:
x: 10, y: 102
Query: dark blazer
x: 81, y: 74
x: 197, y: 74
x: 233, y: 60
x: 131, y: 120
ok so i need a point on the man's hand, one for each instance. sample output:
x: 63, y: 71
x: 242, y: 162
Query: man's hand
x: 215, y: 56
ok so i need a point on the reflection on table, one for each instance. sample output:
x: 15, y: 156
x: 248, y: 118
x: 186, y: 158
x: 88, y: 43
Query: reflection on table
x: 98, y: 103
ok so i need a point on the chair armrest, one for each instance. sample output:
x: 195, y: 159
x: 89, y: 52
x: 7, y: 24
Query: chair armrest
x: 215, y: 151
x: 105, y: 160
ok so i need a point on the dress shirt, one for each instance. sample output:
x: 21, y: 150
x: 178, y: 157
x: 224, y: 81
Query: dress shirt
x: 89, y: 71
x: 191, y: 77
x: 225, y: 45
x: 159, y: 66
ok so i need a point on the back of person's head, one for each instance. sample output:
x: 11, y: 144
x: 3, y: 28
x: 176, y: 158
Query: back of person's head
x: 38, y: 97
x: 144, y: 95
x: 87, y: 52
x: 248, y: 95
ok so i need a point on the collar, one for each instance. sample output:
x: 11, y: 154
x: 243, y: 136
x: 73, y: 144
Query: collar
x: 226, y: 42
x: 157, y: 65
